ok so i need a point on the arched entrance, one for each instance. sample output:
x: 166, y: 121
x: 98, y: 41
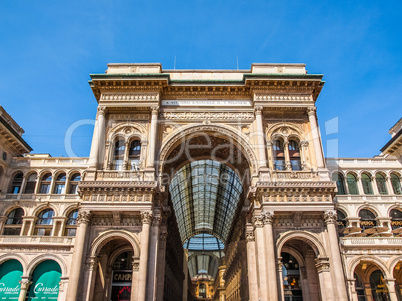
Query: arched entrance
x: 206, y: 177
x: 10, y: 275
x: 370, y: 282
x: 304, y: 270
x: 113, y: 276
x: 45, y: 281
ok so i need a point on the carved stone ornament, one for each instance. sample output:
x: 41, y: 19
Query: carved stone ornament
x: 206, y: 116
x: 163, y: 236
x: 155, y: 110
x: 101, y: 110
x: 83, y: 217
x: 146, y: 217
x: 322, y: 265
x: 156, y: 221
x: 25, y: 283
x: 250, y: 236
x: 258, y: 221
x: 130, y: 97
x: 136, y: 266
x: 330, y: 217
x: 311, y: 110
x: 92, y: 263
x: 258, y: 110
x: 267, y: 217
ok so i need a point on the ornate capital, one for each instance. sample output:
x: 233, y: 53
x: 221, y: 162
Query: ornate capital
x: 92, y: 263
x: 101, y: 110
x: 258, y: 221
x: 84, y: 217
x: 146, y: 217
x: 311, y: 111
x: 155, y: 110
x: 136, y: 266
x: 258, y: 110
x: 156, y: 220
x: 322, y: 265
x: 25, y: 283
x: 267, y: 217
x: 250, y: 236
x: 304, y: 143
x: 330, y: 217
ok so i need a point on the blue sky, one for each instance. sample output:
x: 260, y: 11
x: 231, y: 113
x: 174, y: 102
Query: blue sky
x: 49, y: 48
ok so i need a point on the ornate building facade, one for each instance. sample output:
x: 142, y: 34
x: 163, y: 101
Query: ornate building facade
x: 200, y: 185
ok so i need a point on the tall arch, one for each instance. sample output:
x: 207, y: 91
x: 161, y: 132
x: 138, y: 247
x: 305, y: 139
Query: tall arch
x: 103, y: 238
x: 311, y: 239
x: 222, y: 131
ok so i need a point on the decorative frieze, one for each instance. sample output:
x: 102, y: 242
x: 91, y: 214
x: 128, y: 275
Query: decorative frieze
x: 125, y: 221
x: 282, y: 97
x: 206, y: 116
x: 130, y: 97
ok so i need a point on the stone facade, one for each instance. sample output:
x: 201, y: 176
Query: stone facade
x: 113, y: 226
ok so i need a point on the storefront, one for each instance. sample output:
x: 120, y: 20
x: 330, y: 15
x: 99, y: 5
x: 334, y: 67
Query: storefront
x: 45, y: 282
x: 10, y: 275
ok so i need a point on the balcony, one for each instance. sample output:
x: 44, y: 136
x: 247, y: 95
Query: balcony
x: 16, y: 240
x: 372, y: 242
x: 294, y: 175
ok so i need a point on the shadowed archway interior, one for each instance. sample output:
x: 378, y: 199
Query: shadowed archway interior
x: 205, y: 196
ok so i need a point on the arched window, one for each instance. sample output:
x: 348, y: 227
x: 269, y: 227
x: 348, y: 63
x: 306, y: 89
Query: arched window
x: 118, y: 156
x: 71, y: 224
x: 45, y: 183
x: 294, y: 155
x: 341, y: 222
x: 396, y: 184
x: 14, y: 222
x: 44, y: 223
x: 379, y: 289
x: 366, y: 182
x: 367, y: 219
x: 279, y: 154
x: 202, y: 291
x: 31, y: 183
x: 134, y: 154
x: 60, y: 185
x: 338, y: 178
x: 381, y: 184
x: 396, y: 218
x: 74, y: 180
x: 17, y: 182
x: 352, y: 184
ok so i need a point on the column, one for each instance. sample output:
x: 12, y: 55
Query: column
x: 330, y: 220
x: 270, y: 256
x: 62, y: 285
x: 161, y: 264
x: 152, y: 138
x: 260, y: 254
x: 185, y: 272
x: 153, y: 257
x: 305, y: 285
x: 251, y: 264
x: 367, y: 290
x: 32, y: 224
x: 391, y: 289
x: 92, y: 266
x: 83, y: 220
x: 288, y: 166
x: 352, y: 289
x: 260, y: 138
x: 99, y: 135
x: 3, y: 220
x: 25, y: 283
x: 146, y: 217
x: 125, y: 157
x: 280, y: 278
x: 324, y: 276
x: 304, y: 154
x: 316, y: 137
x: 270, y: 152
x: 360, y: 185
x: 134, y: 289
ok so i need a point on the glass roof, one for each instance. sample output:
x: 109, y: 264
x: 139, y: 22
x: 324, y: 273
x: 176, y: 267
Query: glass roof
x: 205, y: 195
